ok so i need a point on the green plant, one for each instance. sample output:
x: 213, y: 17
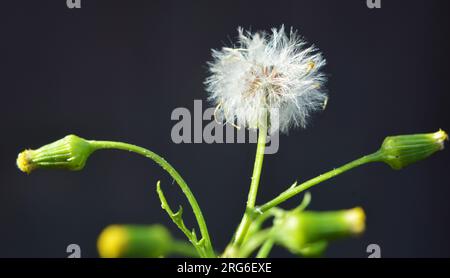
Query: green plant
x: 250, y: 84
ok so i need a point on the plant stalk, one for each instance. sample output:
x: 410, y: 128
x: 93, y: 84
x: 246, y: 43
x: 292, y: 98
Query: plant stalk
x: 174, y: 174
x: 291, y: 192
x: 243, y: 227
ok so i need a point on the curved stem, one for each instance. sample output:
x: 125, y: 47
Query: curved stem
x: 173, y: 173
x: 251, y: 200
x: 291, y: 192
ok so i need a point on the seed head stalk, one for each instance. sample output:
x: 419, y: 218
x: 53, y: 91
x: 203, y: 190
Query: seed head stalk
x: 246, y: 221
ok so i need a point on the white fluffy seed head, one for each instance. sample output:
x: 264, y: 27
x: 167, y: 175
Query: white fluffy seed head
x: 263, y: 73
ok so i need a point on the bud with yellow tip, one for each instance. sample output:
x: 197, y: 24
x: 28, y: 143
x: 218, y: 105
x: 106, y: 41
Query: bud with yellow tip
x: 69, y: 153
x: 140, y: 241
x: 125, y: 241
x: 403, y: 150
x: 305, y: 232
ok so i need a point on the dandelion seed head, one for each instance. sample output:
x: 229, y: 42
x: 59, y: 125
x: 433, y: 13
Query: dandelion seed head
x: 263, y: 73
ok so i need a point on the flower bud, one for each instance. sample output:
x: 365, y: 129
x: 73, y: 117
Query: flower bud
x: 134, y: 241
x: 69, y: 153
x: 400, y: 151
x: 299, y: 230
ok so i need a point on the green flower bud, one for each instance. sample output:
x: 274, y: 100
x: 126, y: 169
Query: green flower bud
x: 69, y: 153
x: 134, y: 241
x: 299, y: 230
x: 403, y: 150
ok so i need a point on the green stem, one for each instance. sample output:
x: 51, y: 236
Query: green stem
x: 173, y: 173
x: 291, y: 192
x: 177, y: 218
x: 265, y: 249
x: 243, y: 227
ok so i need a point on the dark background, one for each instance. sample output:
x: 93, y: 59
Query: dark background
x: 116, y: 70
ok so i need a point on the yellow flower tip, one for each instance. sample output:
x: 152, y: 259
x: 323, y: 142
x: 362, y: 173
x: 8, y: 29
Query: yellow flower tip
x: 24, y: 162
x: 112, y: 241
x: 440, y: 136
x: 357, y: 220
